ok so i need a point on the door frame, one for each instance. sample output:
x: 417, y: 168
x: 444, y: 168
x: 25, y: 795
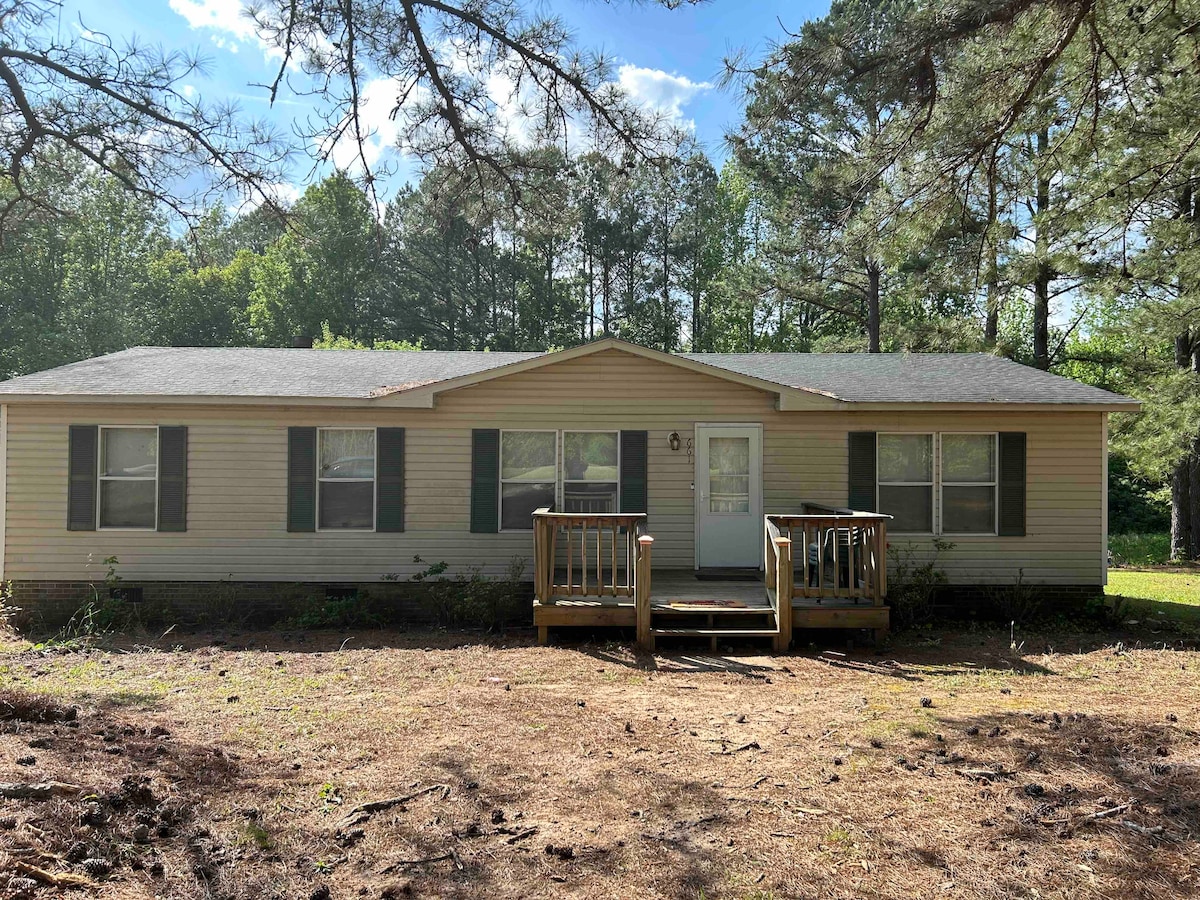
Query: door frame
x: 697, y: 427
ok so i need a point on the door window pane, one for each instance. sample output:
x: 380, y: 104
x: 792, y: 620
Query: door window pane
x: 129, y: 452
x: 905, y: 457
x: 128, y: 504
x: 519, y: 501
x: 347, y: 504
x: 968, y: 458
x: 968, y: 509
x: 528, y: 456
x: 347, y: 453
x: 910, y: 506
x: 729, y: 474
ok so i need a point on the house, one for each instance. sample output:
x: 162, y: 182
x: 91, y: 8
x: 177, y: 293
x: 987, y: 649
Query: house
x: 264, y: 469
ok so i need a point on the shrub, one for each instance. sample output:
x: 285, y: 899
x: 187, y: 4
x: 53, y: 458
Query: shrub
x: 473, y: 600
x: 913, y: 586
x: 1019, y: 603
x: 350, y: 611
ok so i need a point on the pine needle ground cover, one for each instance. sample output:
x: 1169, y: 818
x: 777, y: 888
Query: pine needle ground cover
x: 387, y: 765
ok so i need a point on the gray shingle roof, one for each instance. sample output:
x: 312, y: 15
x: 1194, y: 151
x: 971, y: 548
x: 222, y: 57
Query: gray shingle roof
x: 362, y: 374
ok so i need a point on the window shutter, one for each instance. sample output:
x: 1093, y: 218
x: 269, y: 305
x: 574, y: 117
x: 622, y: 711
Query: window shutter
x: 861, y: 470
x: 633, y: 472
x: 302, y: 479
x: 172, y: 478
x: 1012, y: 484
x: 81, y: 477
x: 485, y: 481
x: 389, y: 480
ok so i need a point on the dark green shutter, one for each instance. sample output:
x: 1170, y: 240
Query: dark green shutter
x: 633, y: 472
x: 485, y: 480
x: 172, y: 478
x: 861, y: 469
x: 81, y: 477
x: 1011, y: 518
x: 389, y: 481
x: 302, y: 479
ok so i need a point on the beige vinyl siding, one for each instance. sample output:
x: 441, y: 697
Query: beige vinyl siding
x: 237, y: 478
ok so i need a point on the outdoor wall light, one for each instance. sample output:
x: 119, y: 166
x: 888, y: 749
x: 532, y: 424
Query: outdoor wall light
x: 673, y: 438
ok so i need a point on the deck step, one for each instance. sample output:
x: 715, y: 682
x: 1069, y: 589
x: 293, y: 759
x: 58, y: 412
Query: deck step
x: 687, y: 610
x: 714, y: 632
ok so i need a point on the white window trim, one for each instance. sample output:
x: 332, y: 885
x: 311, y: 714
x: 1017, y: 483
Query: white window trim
x: 561, y: 490
x: 502, y: 481
x: 101, y: 477
x: 994, y: 484
x: 934, y: 497
x: 372, y: 480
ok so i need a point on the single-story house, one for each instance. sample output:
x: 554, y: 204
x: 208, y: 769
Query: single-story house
x: 258, y: 468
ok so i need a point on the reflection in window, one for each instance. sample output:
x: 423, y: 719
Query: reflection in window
x: 128, y: 478
x: 729, y: 474
x: 905, y: 475
x: 528, y: 475
x: 590, y: 471
x: 346, y: 478
x: 968, y: 483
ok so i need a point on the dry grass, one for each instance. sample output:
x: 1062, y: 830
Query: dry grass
x: 593, y: 771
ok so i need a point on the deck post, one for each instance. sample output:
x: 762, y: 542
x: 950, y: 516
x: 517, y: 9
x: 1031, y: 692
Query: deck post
x: 881, y: 556
x: 783, y: 593
x: 641, y: 591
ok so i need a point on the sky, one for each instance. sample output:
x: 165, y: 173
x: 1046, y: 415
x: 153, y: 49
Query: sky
x: 669, y: 59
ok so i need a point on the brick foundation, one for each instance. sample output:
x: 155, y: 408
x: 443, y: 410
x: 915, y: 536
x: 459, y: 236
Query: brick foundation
x: 49, y: 604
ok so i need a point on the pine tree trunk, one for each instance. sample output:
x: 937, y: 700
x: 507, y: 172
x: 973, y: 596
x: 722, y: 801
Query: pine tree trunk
x: 1182, y: 538
x: 872, y: 307
x: 1044, y: 273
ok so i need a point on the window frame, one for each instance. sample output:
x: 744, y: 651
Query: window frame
x: 994, y: 484
x: 932, y: 484
x: 373, y: 480
x: 101, y: 477
x: 561, y: 487
x: 502, y: 481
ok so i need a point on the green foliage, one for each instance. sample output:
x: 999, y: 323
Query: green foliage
x: 354, y: 610
x: 329, y: 341
x: 8, y: 610
x: 1140, y: 549
x: 913, y: 584
x: 472, y: 600
x: 1135, y: 504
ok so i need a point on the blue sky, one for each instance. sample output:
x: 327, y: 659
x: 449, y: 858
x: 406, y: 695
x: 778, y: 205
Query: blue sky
x: 671, y: 59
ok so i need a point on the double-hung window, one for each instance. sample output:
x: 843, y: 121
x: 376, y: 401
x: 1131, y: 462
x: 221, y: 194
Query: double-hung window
x: 968, y: 483
x: 905, y: 470
x: 590, y: 463
x: 128, y: 477
x: 346, y: 478
x: 528, y: 475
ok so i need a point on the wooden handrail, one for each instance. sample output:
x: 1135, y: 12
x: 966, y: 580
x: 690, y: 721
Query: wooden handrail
x: 843, y: 555
x: 597, y: 554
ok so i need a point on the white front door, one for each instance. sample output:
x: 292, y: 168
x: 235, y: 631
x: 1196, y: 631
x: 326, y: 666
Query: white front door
x: 729, y: 506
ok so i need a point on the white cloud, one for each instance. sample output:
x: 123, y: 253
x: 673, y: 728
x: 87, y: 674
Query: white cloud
x: 223, y: 15
x: 659, y: 90
x: 379, y: 121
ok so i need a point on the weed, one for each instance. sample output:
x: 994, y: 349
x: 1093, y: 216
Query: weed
x: 254, y: 833
x: 7, y: 608
x: 472, y: 599
x: 914, y: 586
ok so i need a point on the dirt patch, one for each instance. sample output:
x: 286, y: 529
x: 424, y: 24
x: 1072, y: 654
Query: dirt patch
x: 432, y: 765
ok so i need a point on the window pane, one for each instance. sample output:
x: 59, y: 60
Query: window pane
x: 969, y: 510
x: 347, y: 453
x: 905, y: 457
x: 528, y: 455
x: 349, y: 505
x: 968, y: 457
x: 127, y: 504
x: 911, y: 507
x: 729, y: 456
x: 130, y: 452
x: 520, y: 501
x: 590, y: 497
x: 589, y: 457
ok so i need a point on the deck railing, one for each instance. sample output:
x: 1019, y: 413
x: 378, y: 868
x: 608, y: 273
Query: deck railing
x: 590, y: 555
x: 831, y: 555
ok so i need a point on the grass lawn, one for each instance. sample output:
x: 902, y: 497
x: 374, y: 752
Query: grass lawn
x: 1158, y: 593
x: 948, y: 765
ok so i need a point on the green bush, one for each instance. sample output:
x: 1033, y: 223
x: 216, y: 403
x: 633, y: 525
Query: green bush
x: 1152, y: 549
x: 351, y: 611
x: 473, y: 600
x: 912, y: 586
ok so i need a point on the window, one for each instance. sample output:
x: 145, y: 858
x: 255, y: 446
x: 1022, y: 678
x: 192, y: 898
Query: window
x: 346, y: 478
x: 590, y: 471
x: 128, y: 478
x: 968, y: 483
x: 905, y: 467
x: 528, y: 475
